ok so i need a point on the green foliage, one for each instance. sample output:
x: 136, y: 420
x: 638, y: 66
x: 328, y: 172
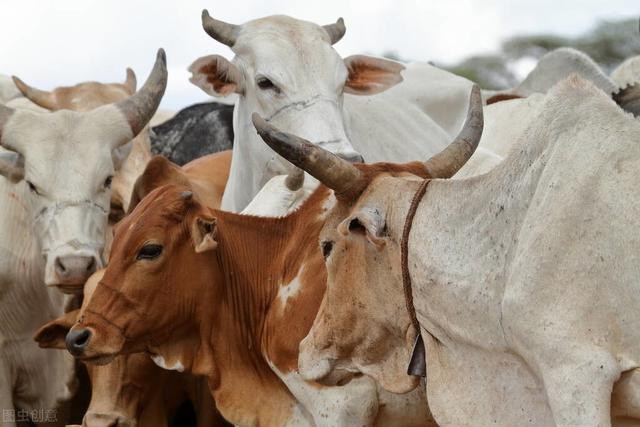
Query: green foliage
x: 490, y: 71
x: 609, y: 43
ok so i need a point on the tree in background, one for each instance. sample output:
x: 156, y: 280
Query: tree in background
x: 609, y: 43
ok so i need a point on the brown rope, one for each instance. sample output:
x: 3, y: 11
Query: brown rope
x: 404, y: 253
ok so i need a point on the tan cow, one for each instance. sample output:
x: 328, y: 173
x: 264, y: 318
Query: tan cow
x: 132, y: 390
x: 228, y: 296
x: 524, y: 280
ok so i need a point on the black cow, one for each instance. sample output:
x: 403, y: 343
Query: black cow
x: 194, y: 132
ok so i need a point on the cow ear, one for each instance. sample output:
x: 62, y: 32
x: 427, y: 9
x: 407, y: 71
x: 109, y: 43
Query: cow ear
x: 53, y: 334
x: 11, y: 165
x: 203, y: 233
x: 216, y: 76
x: 367, y: 221
x: 158, y: 172
x: 369, y: 75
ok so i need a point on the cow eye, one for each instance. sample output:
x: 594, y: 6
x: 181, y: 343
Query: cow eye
x: 149, y: 251
x: 327, y: 246
x: 33, y: 188
x: 108, y: 181
x: 266, y: 84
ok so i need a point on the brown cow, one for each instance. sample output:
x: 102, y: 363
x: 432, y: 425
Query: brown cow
x: 82, y: 97
x: 228, y: 296
x: 132, y: 390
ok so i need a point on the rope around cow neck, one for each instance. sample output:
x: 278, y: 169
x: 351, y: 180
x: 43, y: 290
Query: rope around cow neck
x: 417, y: 364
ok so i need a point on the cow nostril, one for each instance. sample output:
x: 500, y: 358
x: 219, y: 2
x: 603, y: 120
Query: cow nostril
x: 91, y: 267
x: 60, y: 266
x: 77, y: 341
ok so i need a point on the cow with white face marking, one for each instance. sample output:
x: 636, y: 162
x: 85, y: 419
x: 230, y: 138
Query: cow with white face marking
x: 287, y: 70
x: 55, y: 201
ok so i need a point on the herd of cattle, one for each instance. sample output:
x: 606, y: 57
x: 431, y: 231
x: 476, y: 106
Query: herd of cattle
x: 283, y: 258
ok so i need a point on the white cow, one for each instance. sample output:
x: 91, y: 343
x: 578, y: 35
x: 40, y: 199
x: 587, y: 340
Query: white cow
x: 55, y: 201
x: 525, y: 280
x: 627, y: 73
x: 129, y: 159
x: 287, y: 70
x: 554, y: 67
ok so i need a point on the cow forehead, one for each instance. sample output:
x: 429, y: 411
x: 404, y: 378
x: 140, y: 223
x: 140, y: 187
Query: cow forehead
x: 66, y: 133
x: 295, y: 43
x: 282, y: 27
x: 160, y: 210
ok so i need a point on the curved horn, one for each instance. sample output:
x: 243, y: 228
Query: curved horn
x: 446, y: 163
x: 40, y: 97
x: 140, y: 107
x: 5, y: 114
x: 336, y: 31
x: 131, y: 82
x: 629, y: 99
x: 333, y: 171
x: 223, y: 32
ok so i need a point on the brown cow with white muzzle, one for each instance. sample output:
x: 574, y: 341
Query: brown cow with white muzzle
x: 231, y: 297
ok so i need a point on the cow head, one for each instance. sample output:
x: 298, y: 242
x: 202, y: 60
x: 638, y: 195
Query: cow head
x: 65, y: 167
x: 129, y: 158
x: 123, y: 392
x: 287, y: 70
x: 363, y: 324
x: 134, y: 306
x: 81, y: 97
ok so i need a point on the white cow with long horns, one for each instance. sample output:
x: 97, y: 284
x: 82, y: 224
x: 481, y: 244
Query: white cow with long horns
x: 287, y: 70
x: 55, y: 201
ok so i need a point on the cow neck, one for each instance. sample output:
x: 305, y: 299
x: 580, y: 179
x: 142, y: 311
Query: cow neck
x: 255, y: 257
x: 22, y: 269
x: 465, y: 229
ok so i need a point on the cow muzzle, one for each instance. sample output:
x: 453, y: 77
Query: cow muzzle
x: 77, y: 340
x: 72, y: 238
x: 98, y: 419
x: 326, y: 371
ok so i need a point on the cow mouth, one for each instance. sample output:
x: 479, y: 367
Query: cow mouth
x: 68, y: 288
x: 339, y: 377
x: 100, y: 359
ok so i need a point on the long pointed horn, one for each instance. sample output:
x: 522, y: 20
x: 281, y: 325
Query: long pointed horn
x: 40, y: 97
x: 140, y: 107
x: 446, y: 163
x: 336, y: 31
x: 223, y: 32
x: 331, y: 170
x: 629, y: 99
x: 131, y: 82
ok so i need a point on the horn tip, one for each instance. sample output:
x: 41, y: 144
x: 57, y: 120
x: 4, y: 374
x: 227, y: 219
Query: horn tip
x: 258, y: 122
x: 162, y: 56
x: 22, y: 87
x: 205, y: 14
